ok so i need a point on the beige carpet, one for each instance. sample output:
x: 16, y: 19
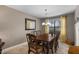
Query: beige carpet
x: 23, y: 49
x: 19, y: 49
x: 63, y: 48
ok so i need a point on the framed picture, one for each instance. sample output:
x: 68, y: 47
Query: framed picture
x: 30, y: 24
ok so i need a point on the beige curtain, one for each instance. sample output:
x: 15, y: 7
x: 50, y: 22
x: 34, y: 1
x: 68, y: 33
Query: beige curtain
x: 46, y: 27
x: 63, y: 33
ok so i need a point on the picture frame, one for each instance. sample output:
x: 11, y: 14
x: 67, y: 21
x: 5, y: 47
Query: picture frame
x: 30, y: 24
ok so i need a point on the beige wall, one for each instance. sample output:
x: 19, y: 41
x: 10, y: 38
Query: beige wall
x: 71, y: 27
x: 12, y: 26
x: 77, y: 26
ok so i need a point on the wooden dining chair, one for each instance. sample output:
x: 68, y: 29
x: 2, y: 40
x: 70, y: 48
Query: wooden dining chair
x: 33, y: 44
x: 36, y: 32
x: 47, y: 45
x: 1, y: 45
x: 56, y: 44
x: 44, y: 37
x: 51, y: 45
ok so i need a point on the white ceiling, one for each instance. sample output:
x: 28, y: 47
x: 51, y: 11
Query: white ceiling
x: 39, y: 10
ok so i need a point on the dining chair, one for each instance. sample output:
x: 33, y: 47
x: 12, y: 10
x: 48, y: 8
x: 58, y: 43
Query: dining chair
x: 1, y: 45
x: 56, y: 44
x: 44, y: 37
x: 50, y: 45
x: 47, y: 45
x: 33, y: 44
x: 38, y: 32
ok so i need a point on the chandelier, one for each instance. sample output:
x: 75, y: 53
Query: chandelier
x: 46, y: 23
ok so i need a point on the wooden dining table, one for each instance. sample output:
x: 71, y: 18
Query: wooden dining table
x: 46, y: 39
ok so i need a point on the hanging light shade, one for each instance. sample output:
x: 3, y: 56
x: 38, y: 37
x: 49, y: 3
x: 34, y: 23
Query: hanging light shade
x: 49, y: 23
x: 43, y: 23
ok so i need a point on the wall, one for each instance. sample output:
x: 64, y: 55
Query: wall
x: 77, y: 26
x: 71, y: 27
x: 12, y: 26
x: 77, y: 34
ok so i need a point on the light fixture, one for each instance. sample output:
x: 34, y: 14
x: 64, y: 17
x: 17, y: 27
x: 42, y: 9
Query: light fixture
x: 45, y: 12
x: 49, y: 24
x: 43, y: 23
x: 46, y: 23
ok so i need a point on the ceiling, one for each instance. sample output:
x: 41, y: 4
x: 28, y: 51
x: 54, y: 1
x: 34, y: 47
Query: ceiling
x: 39, y: 10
